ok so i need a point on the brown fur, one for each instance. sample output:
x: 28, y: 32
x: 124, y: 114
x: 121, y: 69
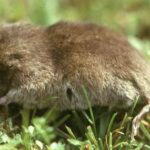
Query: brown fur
x: 47, y: 66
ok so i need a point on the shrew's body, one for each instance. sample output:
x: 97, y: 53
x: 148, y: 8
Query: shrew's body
x: 47, y: 66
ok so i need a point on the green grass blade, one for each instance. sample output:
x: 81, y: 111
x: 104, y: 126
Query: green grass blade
x: 145, y: 131
x: 101, y: 144
x: 111, y: 123
x: 70, y: 133
x: 110, y: 141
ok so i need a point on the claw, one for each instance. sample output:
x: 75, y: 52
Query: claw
x: 137, y: 120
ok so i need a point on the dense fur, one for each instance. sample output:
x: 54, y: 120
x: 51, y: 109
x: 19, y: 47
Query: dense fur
x: 47, y: 66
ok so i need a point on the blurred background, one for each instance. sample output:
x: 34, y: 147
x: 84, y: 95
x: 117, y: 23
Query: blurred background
x: 132, y: 17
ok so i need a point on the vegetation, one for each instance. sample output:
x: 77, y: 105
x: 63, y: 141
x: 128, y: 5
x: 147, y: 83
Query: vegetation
x: 95, y: 128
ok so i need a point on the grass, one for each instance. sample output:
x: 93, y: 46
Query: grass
x: 92, y: 129
x: 96, y: 128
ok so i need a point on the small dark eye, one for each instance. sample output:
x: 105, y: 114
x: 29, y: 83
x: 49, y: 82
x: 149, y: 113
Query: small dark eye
x: 15, y: 56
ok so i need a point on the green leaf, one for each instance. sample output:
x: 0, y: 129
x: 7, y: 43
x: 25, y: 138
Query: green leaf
x: 75, y: 142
